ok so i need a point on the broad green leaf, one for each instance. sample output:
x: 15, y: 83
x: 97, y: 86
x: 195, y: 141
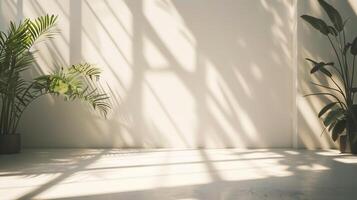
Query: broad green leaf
x: 326, y: 71
x: 354, y: 47
x: 314, y: 62
x: 332, y: 125
x: 333, y: 14
x: 332, y: 116
x: 332, y: 30
x: 317, y: 23
x: 338, y: 129
x: 317, y: 67
x: 320, y: 67
x: 326, y: 108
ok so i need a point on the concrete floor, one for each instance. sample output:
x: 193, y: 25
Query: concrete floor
x: 96, y: 174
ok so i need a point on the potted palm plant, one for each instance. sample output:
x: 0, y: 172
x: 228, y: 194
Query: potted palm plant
x: 339, y: 115
x: 16, y: 93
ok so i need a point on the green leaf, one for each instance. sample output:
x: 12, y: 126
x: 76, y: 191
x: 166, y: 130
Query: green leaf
x: 326, y: 108
x: 60, y: 87
x: 334, y: 115
x: 332, y: 125
x: 317, y: 67
x: 338, y: 129
x: 333, y: 14
x: 320, y: 67
x: 78, y: 82
x: 41, y: 26
x: 326, y: 71
x: 354, y: 47
x: 332, y: 30
x: 317, y: 23
x: 314, y: 62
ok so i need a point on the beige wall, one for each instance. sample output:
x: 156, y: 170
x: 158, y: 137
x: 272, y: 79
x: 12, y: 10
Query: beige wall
x: 202, y: 73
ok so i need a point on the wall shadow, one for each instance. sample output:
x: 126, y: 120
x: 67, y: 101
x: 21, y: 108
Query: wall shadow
x: 181, y: 74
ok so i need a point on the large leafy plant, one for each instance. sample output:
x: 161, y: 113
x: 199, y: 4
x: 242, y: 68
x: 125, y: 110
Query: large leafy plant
x: 16, y: 56
x: 337, y: 114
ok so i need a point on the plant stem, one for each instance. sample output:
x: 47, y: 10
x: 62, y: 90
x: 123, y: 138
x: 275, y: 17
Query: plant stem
x: 343, y: 105
x: 339, y: 61
x: 22, y: 111
x: 341, y: 67
x: 348, y: 89
x: 327, y: 87
x: 339, y: 88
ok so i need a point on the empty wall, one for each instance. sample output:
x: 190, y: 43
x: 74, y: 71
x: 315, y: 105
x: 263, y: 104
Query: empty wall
x: 202, y: 73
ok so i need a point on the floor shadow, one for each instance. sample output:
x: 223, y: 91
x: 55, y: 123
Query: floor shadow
x: 278, y: 173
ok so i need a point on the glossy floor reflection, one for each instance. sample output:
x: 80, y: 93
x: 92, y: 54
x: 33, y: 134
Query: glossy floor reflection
x: 177, y: 174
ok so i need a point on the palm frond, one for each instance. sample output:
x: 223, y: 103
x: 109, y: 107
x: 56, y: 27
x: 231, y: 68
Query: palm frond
x: 42, y: 27
x: 85, y: 69
x: 73, y: 85
x: 16, y: 57
x: 78, y: 82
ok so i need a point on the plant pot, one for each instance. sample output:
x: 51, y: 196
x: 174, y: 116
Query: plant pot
x: 10, y: 144
x: 351, y: 130
x: 343, y: 144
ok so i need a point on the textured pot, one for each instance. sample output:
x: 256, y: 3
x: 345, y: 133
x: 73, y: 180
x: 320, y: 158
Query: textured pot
x: 10, y: 144
x: 352, y: 130
x: 343, y: 144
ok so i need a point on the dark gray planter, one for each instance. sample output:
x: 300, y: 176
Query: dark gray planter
x: 10, y: 144
x: 352, y: 133
x: 343, y: 144
x: 352, y: 130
